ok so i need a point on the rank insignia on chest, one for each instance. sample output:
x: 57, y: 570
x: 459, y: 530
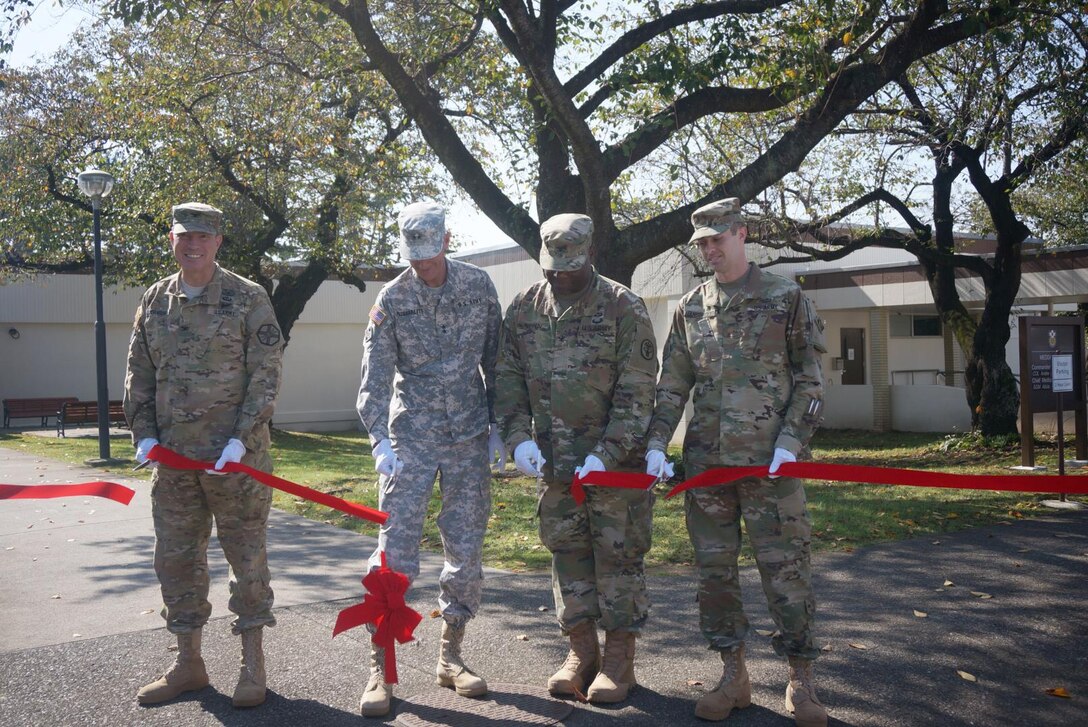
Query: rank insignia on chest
x: 377, y: 315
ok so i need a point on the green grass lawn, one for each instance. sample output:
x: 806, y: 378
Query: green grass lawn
x: 845, y: 516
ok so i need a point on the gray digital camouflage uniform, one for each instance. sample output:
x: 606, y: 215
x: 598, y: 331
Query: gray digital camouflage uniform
x: 428, y: 386
x: 580, y: 382
x: 202, y: 371
x: 752, y: 366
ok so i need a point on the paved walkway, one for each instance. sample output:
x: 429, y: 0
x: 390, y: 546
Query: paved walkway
x: 79, y: 630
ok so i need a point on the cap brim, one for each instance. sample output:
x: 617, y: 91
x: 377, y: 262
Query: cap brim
x: 420, y: 252
x: 561, y: 265
x: 702, y: 232
x: 179, y: 228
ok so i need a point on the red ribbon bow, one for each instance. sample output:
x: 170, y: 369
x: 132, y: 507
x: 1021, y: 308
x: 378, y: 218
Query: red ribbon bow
x: 384, y: 607
x: 170, y: 458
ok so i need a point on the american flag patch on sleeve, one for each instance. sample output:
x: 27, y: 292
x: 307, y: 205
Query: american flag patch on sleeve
x: 377, y: 315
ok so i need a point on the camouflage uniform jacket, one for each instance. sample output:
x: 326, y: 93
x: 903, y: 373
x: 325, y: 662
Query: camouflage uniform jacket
x: 205, y: 370
x: 579, y: 382
x: 428, y: 369
x: 754, y: 364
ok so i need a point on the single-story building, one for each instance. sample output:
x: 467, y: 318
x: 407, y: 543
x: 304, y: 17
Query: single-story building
x: 890, y: 365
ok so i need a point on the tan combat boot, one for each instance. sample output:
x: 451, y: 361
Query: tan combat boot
x: 451, y: 671
x: 185, y: 675
x: 801, y: 699
x: 583, y: 661
x: 734, y: 690
x: 251, y: 679
x: 617, y: 674
x: 376, y: 696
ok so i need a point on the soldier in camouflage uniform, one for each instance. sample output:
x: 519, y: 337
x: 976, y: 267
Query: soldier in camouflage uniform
x: 746, y: 344
x: 427, y: 399
x: 203, y: 374
x: 576, y: 374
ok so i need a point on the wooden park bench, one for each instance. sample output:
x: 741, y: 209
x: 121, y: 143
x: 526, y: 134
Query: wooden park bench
x: 86, y: 412
x: 38, y: 408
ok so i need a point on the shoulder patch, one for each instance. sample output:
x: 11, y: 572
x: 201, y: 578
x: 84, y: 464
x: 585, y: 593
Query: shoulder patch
x: 377, y: 315
x: 268, y: 334
x: 647, y: 349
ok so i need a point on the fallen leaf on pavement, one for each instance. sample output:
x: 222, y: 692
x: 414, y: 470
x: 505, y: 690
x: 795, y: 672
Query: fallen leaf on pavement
x: 55, y: 595
x: 435, y: 613
x: 920, y: 614
x: 948, y: 584
x: 858, y: 646
x: 827, y: 647
x: 522, y: 637
x: 694, y: 683
x: 148, y: 610
x: 542, y: 608
x: 968, y: 677
x: 1059, y: 692
x: 980, y: 594
x: 764, y: 632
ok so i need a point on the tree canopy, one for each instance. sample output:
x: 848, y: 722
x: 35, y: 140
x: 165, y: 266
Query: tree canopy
x: 992, y: 114
x: 305, y: 155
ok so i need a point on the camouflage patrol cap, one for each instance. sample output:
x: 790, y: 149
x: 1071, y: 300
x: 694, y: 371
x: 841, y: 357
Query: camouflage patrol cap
x: 566, y: 241
x: 197, y: 217
x: 715, y: 218
x: 422, y: 230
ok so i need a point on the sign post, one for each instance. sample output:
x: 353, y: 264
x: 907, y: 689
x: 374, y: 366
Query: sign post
x: 1061, y: 382
x: 1052, y: 378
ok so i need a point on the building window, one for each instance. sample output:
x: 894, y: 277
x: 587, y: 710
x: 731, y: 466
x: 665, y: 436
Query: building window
x: 907, y: 326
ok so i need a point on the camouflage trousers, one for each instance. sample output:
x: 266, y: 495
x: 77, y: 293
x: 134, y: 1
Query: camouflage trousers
x: 464, y: 479
x: 779, y: 529
x: 597, y: 554
x: 183, y: 504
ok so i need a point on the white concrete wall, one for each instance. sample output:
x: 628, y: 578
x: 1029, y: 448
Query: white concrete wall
x: 848, y: 407
x: 54, y: 354
x: 58, y: 359
x: 929, y: 409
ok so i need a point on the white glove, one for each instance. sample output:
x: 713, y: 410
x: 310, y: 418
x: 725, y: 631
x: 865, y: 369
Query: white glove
x: 496, y: 450
x: 657, y: 465
x: 386, y: 461
x: 780, y: 456
x: 233, y: 452
x: 144, y: 447
x: 592, y: 464
x: 528, y: 459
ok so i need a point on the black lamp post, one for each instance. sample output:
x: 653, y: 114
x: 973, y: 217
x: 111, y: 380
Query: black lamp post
x: 96, y: 184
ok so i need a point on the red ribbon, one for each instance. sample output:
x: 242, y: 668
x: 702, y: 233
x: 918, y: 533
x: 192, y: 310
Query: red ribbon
x: 108, y: 490
x: 384, y: 607
x: 604, y: 478
x: 170, y: 458
x: 1069, y: 484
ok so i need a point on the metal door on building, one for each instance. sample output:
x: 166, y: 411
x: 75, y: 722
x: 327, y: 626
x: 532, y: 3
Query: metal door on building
x: 853, y: 355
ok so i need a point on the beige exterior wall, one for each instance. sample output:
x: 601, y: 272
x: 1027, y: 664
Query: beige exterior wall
x: 54, y: 353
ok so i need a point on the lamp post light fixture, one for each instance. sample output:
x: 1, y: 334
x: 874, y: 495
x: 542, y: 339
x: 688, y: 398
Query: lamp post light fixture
x: 97, y: 184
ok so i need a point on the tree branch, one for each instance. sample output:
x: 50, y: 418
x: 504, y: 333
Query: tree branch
x: 646, y: 32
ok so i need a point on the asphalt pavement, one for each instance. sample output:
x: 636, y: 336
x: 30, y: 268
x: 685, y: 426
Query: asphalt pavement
x: 901, y: 625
